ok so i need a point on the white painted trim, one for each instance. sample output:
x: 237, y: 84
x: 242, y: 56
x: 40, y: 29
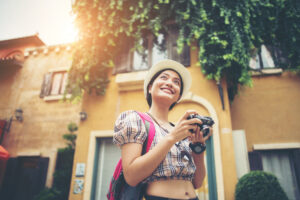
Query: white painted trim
x: 131, y: 81
x: 56, y: 97
x: 270, y: 71
x: 190, y: 97
x: 241, y: 152
x: 59, y: 69
x: 90, y: 160
x: 29, y: 154
x: 273, y: 146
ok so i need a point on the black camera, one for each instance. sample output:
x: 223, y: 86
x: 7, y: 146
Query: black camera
x: 207, y: 122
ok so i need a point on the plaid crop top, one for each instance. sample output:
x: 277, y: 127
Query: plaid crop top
x: 178, y: 163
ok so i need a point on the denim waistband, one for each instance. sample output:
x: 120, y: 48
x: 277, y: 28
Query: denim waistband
x: 149, y: 197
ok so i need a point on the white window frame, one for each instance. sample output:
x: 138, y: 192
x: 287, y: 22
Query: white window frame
x: 91, y: 159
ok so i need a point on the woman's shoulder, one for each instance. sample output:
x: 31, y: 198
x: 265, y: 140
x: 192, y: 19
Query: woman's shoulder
x: 129, y: 128
x: 128, y: 114
x: 129, y: 118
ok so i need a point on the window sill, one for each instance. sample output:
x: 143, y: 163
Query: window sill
x: 273, y: 146
x: 56, y: 97
x: 131, y: 81
x: 29, y: 154
x: 265, y: 72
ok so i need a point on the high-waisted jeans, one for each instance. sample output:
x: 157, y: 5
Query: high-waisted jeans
x: 147, y: 197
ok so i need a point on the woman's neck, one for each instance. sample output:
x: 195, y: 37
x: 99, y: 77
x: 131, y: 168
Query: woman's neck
x: 159, y: 113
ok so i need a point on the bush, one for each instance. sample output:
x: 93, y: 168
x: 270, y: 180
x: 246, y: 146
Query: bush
x: 259, y: 185
x: 47, y: 194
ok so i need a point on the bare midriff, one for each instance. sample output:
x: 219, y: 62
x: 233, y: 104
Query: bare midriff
x: 177, y: 189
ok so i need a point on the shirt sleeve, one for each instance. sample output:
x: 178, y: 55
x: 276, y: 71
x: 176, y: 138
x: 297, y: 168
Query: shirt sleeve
x: 129, y: 128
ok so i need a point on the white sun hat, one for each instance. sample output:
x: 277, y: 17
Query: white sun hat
x: 173, y: 65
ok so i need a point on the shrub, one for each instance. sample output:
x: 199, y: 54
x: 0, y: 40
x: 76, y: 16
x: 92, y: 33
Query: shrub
x: 47, y: 194
x: 259, y: 185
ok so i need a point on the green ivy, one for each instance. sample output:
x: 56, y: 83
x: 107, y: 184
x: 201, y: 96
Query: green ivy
x: 225, y: 32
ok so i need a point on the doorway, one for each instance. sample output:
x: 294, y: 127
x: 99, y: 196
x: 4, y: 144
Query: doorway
x: 24, y: 178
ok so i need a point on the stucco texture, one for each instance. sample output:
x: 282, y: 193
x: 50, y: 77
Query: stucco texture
x: 269, y: 112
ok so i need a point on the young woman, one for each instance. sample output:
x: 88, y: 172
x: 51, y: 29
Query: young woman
x: 170, y: 168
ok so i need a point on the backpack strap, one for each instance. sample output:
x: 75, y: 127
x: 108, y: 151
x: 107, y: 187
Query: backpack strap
x: 150, y: 128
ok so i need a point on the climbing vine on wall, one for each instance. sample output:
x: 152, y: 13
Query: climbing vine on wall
x: 225, y: 32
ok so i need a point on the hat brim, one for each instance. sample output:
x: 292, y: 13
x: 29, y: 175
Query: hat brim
x: 173, y: 65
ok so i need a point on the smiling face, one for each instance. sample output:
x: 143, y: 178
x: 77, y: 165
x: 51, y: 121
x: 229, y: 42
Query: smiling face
x: 166, y: 87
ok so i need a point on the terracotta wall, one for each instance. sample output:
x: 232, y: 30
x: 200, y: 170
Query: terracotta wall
x: 44, y: 122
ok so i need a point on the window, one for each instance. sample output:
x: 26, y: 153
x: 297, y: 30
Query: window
x: 268, y: 57
x: 284, y: 164
x: 54, y: 84
x: 134, y: 61
x: 59, y: 83
x: 153, y: 54
x: 262, y: 59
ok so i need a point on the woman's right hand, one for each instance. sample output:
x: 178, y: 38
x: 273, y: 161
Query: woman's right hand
x: 184, y: 126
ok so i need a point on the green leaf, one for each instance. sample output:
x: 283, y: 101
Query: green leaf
x: 141, y: 4
x: 186, y: 16
x: 87, y: 77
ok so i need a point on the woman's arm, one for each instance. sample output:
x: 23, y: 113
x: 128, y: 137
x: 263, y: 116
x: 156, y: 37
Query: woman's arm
x: 136, y: 167
x: 200, y: 170
x: 199, y: 158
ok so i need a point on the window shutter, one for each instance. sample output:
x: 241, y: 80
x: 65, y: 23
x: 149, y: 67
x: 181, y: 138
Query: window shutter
x: 123, y: 61
x: 184, y: 57
x: 43, y: 168
x: 122, y: 64
x: 255, y: 161
x: 278, y: 56
x: 64, y: 83
x: 46, y: 86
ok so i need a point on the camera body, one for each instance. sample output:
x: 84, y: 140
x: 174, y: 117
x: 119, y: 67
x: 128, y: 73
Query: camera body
x: 207, y: 122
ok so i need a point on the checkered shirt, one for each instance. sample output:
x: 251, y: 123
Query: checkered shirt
x: 178, y: 163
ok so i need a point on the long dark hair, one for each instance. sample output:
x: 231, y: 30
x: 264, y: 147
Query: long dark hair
x: 149, y: 97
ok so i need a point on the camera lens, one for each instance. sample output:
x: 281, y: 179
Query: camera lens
x: 205, y: 131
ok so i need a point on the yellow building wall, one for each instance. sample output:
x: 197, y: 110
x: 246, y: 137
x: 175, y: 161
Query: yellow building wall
x: 103, y: 110
x: 45, y: 122
x: 269, y: 112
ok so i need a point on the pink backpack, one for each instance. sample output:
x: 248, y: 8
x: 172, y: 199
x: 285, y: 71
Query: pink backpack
x: 118, y: 188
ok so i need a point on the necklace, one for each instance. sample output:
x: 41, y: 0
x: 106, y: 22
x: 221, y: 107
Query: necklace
x: 157, y: 122
x: 177, y: 144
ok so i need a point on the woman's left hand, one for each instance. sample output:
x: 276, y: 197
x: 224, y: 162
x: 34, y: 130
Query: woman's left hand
x: 197, y: 136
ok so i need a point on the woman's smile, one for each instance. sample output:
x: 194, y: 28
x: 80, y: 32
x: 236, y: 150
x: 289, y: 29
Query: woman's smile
x: 167, y: 84
x: 168, y: 90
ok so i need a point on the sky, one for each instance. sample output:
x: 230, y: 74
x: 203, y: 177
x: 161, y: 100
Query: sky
x: 52, y: 20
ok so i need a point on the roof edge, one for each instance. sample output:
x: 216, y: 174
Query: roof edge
x: 21, y: 41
